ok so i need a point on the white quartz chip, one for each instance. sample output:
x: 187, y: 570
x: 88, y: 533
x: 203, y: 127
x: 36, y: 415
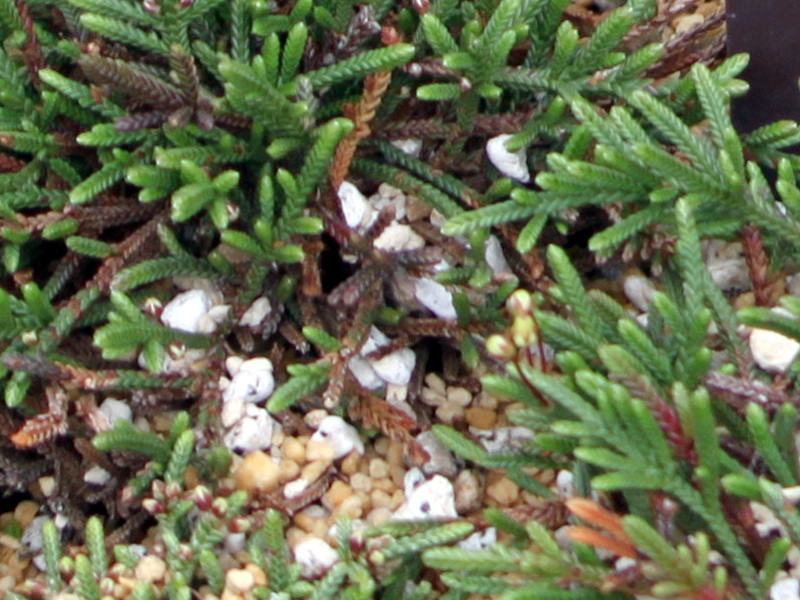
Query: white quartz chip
x: 341, y: 436
x: 785, y: 589
x: 441, y: 459
x: 256, y: 312
x: 480, y: 540
x: 397, y: 237
x: 315, y: 556
x: 357, y: 211
x: 432, y: 500
x: 510, y: 164
x: 435, y: 297
x: 252, y: 432
x: 396, y: 368
x: 186, y: 310
x: 252, y: 382
x: 771, y: 350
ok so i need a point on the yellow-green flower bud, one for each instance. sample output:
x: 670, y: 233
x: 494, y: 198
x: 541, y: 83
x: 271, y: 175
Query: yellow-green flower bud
x: 500, y: 347
x: 520, y: 303
x: 523, y: 331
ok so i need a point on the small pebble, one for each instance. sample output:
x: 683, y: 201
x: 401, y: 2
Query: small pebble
x: 341, y: 436
x: 312, y: 471
x: 397, y: 238
x: 771, y: 350
x: 459, y: 395
x: 395, y: 368
x: 480, y: 540
x: 639, y: 290
x: 151, y: 568
x: 511, y: 164
x: 256, y: 313
x: 468, y: 491
x: 435, y: 297
x: 430, y: 500
x: 441, y: 459
x: 257, y: 473
x: 358, y: 214
x: 785, y: 589
x: 378, y: 468
x: 360, y: 482
x: 315, y: 556
x: 185, y: 311
x: 481, y: 418
x: 504, y: 491
x: 239, y: 581
x: 448, y: 412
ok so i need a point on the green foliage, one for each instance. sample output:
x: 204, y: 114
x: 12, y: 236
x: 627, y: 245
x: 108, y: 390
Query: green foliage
x: 150, y: 146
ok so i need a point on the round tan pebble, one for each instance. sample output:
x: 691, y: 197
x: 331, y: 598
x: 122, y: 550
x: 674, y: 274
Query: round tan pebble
x: 481, y: 418
x: 385, y: 484
x: 459, y: 395
x: 278, y: 438
x: 338, y: 493
x: 311, y: 523
x: 352, y: 507
x: 381, y: 446
x: 47, y: 485
x: 468, y: 491
x: 432, y: 397
x: 25, y: 512
x: 151, y: 568
x: 350, y: 463
x: 378, y: 468
x: 257, y: 473
x: 312, y: 471
x: 258, y: 574
x: 503, y: 491
x: 289, y: 470
x: 239, y: 581
x: 360, y: 482
x: 319, y: 451
x: 448, y: 412
x: 436, y: 383
x: 293, y: 449
x: 486, y: 401
x: 229, y: 595
x: 379, y: 516
x: 398, y: 498
x: 380, y: 499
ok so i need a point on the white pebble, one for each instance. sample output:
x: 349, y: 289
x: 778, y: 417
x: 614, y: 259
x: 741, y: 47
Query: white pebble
x: 493, y: 254
x: 785, y: 589
x: 357, y: 211
x: 435, y: 297
x: 480, y: 540
x: 294, y: 488
x: 411, y: 146
x: 342, y: 436
x: 253, y: 382
x: 504, y: 439
x: 32, y: 537
x: 771, y: 350
x: 256, y: 312
x: 510, y: 164
x: 639, y: 290
x: 96, y: 476
x: 253, y: 432
x: 232, y: 412
x: 388, y: 195
x: 395, y: 368
x: 727, y: 265
x: 565, y: 484
x: 185, y: 311
x: 413, y: 478
x: 433, y: 499
x: 364, y: 373
x: 397, y: 237
x: 315, y: 556
x: 441, y: 459
x: 116, y: 410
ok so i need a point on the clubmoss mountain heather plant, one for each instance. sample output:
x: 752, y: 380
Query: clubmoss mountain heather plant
x: 430, y: 299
